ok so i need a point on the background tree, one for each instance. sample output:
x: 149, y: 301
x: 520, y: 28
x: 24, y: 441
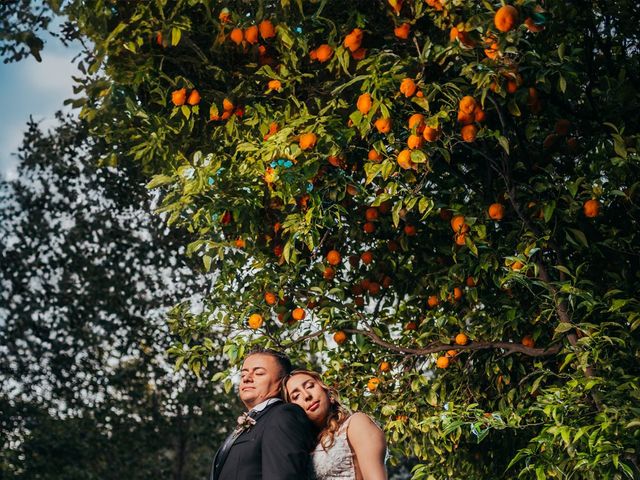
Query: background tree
x: 87, y: 276
x: 437, y: 201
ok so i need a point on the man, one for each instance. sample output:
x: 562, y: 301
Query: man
x: 273, y: 439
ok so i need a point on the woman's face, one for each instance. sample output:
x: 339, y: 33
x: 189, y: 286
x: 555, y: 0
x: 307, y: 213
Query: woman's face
x: 306, y: 391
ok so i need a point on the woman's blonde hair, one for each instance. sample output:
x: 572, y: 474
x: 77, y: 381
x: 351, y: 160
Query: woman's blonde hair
x: 337, y: 414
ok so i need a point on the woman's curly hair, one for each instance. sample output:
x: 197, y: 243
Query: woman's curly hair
x: 337, y: 414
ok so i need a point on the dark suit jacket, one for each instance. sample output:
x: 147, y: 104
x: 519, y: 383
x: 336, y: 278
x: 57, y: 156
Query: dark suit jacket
x: 277, y: 447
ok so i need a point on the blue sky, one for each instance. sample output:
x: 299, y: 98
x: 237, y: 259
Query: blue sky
x: 31, y: 88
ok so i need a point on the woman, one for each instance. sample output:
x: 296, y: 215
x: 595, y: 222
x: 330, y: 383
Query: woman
x: 350, y: 446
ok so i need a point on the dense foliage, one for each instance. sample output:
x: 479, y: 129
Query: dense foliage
x: 372, y: 179
x: 87, y: 274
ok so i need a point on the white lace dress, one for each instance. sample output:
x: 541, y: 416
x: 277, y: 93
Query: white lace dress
x: 336, y: 463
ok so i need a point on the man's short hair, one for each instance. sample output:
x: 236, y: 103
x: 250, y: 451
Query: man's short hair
x: 281, y: 358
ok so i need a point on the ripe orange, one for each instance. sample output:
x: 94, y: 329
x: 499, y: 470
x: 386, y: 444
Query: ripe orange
x: 239, y: 243
x: 430, y: 134
x: 372, y: 384
x: 442, y: 362
x: 364, y: 103
x: 340, y: 337
x: 227, y: 105
x: 298, y: 314
x: 255, y: 321
x: 408, y: 87
x: 416, y: 120
x: 329, y: 273
x: 410, y: 230
x: 225, y: 15
x: 465, y: 118
x: 433, y: 301
x: 461, y: 339
x: 385, y: 366
x: 460, y: 238
x: 369, y: 227
x: 371, y: 214
x: 414, y: 141
x: 334, y: 257
x: 404, y: 159
x: 251, y: 34
x: 274, y: 85
x: 336, y: 161
x: 469, y: 133
x: 374, y: 156
x: 410, y: 326
x: 517, y: 265
x: 479, y: 115
x: 457, y: 294
x: 385, y: 207
x: 452, y: 353
x: 506, y: 18
x: 194, y: 97
x: 383, y: 124
x: 532, y: 26
x: 496, y: 211
x: 366, y: 257
x: 324, y: 52
x: 528, y: 341
x: 270, y: 298
x: 353, y: 40
x: 178, y: 97
x: 591, y: 208
x: 267, y: 29
x: 471, y: 282
x: 307, y: 140
x: 457, y: 223
x: 236, y: 36
x: 467, y: 104
x: 402, y: 31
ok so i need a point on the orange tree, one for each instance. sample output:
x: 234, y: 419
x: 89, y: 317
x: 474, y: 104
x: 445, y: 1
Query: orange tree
x: 436, y: 201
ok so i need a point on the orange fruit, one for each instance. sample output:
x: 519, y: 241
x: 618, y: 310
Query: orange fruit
x: 479, y: 115
x: 469, y: 133
x: 517, y: 265
x: 385, y: 366
x: 336, y: 161
x: 442, y: 362
x: 334, y: 257
x: 359, y: 54
x: 194, y: 97
x: 369, y: 227
x: 460, y: 238
x: 352, y: 190
x: 353, y: 40
x: 371, y: 214
x: 467, y: 104
x: 366, y: 257
x: 591, y: 208
x: 496, y: 211
x: 236, y: 36
x: 433, y: 301
x: 465, y: 118
x: 329, y: 273
x: 457, y: 294
x: 402, y: 31
x: 251, y: 34
x: 364, y: 103
x: 267, y: 29
x: 452, y: 353
x: 457, y: 223
x: 307, y: 140
x: 506, y: 18
x: 372, y: 384
x: 414, y: 141
x: 430, y: 134
x: 340, y: 337
x: 410, y: 230
x: 461, y: 339
x: 528, y: 341
x: 471, y: 282
x: 274, y: 85
x: 298, y: 314
x: 408, y: 87
x: 239, y: 243
x: 374, y: 156
x: 416, y: 121
x: 227, y: 105
x: 255, y: 321
x: 324, y: 52
x: 531, y: 25
x: 410, y: 326
x: 383, y: 124
x: 270, y: 298
x: 385, y: 207
x: 404, y: 159
x: 178, y: 97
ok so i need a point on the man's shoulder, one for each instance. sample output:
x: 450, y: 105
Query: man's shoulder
x: 286, y: 409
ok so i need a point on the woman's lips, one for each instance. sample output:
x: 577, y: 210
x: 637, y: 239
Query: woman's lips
x: 313, y: 407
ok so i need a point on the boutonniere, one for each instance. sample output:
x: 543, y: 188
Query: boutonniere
x: 245, y: 422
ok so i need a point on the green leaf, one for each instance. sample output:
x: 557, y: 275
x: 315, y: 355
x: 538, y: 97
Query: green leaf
x: 158, y: 180
x: 176, y: 35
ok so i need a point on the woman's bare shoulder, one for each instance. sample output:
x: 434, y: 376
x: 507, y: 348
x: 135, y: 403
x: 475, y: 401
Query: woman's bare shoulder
x: 361, y: 423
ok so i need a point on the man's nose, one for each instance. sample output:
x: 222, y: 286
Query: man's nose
x: 248, y: 378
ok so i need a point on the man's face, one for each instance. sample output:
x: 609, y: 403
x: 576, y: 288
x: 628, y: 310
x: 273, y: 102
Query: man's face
x: 259, y: 379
